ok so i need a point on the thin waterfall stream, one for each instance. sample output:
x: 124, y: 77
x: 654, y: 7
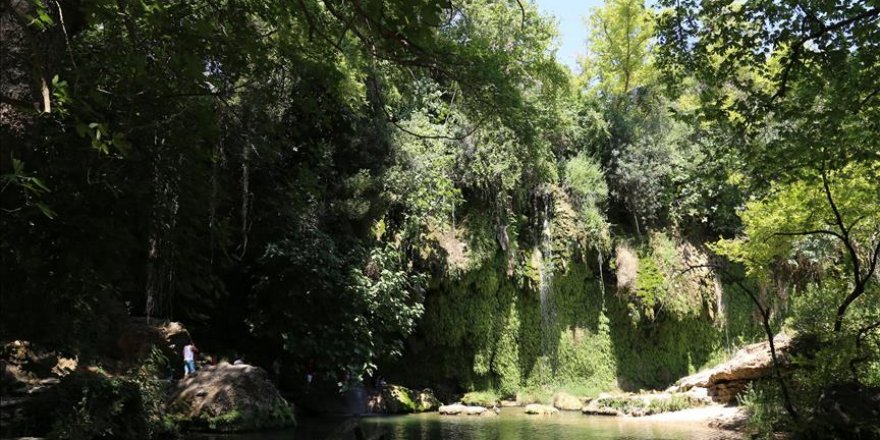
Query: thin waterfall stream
x: 546, y: 272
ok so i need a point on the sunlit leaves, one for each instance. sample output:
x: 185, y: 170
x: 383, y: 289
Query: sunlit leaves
x: 619, y: 56
x: 795, y: 222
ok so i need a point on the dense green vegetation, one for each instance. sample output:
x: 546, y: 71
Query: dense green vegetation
x: 420, y: 188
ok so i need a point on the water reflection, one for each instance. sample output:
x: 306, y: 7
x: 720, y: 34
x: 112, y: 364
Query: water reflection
x: 511, y: 425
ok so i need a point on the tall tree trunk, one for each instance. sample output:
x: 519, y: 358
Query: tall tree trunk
x: 161, y: 252
x: 245, y: 196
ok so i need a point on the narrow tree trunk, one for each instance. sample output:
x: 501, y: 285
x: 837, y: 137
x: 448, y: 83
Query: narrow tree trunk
x: 777, y: 372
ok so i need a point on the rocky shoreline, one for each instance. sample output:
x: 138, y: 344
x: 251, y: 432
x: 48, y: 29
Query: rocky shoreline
x: 233, y: 398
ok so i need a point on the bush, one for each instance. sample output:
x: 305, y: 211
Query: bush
x: 677, y: 402
x: 92, y: 405
x: 762, y: 402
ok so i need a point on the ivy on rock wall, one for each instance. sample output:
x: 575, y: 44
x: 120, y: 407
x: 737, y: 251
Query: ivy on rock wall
x: 487, y: 328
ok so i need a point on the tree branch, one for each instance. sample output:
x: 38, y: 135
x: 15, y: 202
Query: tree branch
x: 859, y: 287
x: 812, y: 232
x: 860, y: 336
x: 765, y: 322
x: 797, y: 45
x: 522, y: 10
x: 868, y: 98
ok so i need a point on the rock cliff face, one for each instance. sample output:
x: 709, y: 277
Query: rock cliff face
x: 725, y: 381
x: 230, y: 398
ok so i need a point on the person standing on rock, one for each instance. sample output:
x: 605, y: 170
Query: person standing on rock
x: 189, y: 358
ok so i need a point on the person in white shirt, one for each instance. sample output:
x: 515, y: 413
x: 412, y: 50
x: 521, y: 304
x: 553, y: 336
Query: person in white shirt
x: 189, y: 359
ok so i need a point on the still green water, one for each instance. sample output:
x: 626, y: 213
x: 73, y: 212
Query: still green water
x: 512, y: 424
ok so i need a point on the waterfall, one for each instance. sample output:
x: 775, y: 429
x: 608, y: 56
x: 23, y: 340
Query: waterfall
x: 545, y: 271
x: 601, y: 275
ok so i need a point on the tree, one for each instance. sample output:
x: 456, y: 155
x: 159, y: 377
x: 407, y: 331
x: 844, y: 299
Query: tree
x: 795, y: 82
x: 619, y: 58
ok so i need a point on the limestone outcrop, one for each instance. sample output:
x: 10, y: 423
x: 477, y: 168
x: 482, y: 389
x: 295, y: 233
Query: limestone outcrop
x: 229, y: 398
x: 725, y: 381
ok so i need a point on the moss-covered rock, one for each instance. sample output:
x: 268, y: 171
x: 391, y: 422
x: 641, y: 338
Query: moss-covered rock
x: 229, y: 398
x: 540, y: 410
x: 401, y: 400
x: 486, y: 399
x: 567, y: 402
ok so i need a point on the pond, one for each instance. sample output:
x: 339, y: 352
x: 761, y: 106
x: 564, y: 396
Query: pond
x: 512, y: 424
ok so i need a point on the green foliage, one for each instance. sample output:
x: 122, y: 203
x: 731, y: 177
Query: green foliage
x: 327, y: 180
x: 97, y: 406
x: 794, y: 86
x: 642, y: 406
x: 486, y: 399
x: 677, y: 402
x: 586, y: 181
x: 280, y: 416
x: 761, y: 400
x: 154, y: 391
x: 380, y: 303
x: 485, y: 333
x: 791, y: 224
x: 620, y: 32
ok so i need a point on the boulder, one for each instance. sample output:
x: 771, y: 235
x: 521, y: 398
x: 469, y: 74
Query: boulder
x: 541, y: 410
x: 725, y: 381
x: 598, y: 407
x: 451, y: 410
x: 466, y: 410
x: 395, y: 399
x: 567, y: 402
x: 229, y: 398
